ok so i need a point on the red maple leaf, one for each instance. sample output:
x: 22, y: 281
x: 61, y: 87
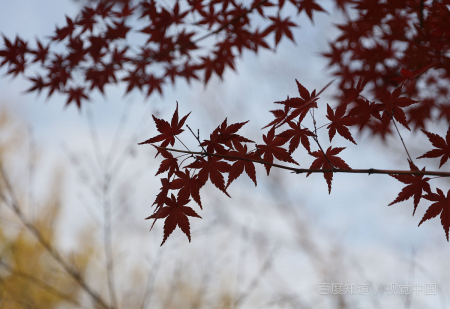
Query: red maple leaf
x: 444, y: 111
x: 441, y: 206
x: 280, y: 115
x: 212, y: 168
x: 176, y: 214
x: 339, y: 122
x: 209, y: 18
x: 238, y: 167
x: 161, y: 197
x: 364, y: 110
x: 442, y: 147
x: 39, y: 84
x: 304, y: 104
x: 257, y: 39
x: 13, y: 52
x: 377, y: 129
x: 280, y: 27
x: 418, y: 114
x: 272, y: 149
x: 416, y: 184
x: 168, y: 131
x: 296, y: 135
x: 352, y: 94
x: 224, y: 135
x: 87, y: 19
x: 309, y: 6
x: 154, y: 83
x: 40, y: 53
x: 335, y: 54
x: 76, y: 94
x: 189, y: 186
x: 118, y: 56
x: 118, y: 32
x: 135, y: 79
x: 104, y: 9
x: 169, y: 164
x: 340, y: 4
x: 125, y: 11
x: 177, y: 16
x: 323, y: 162
x: 393, y: 107
x: 223, y: 57
x: 62, y: 33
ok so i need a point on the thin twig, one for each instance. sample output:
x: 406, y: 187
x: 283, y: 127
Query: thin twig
x: 104, y: 164
x: 426, y: 272
x: 174, y: 285
x: 182, y: 142
x: 257, y: 150
x: 239, y: 271
x: 206, y: 276
x: 266, y: 266
x: 151, y: 279
x: 116, y: 167
x: 403, y: 142
x: 94, y: 138
x: 197, y: 137
x: 317, y: 141
x: 360, y: 270
x: 107, y: 243
x: 31, y: 172
x: 119, y: 129
x: 26, y: 303
x: 411, y: 278
x: 83, y: 172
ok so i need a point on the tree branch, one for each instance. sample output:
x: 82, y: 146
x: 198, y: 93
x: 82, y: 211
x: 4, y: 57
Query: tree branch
x: 306, y: 170
x: 40, y: 283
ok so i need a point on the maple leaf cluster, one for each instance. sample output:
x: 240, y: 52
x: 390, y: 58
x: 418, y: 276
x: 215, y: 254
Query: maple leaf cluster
x: 226, y: 145
x: 96, y: 48
x: 396, y: 42
x: 398, y: 51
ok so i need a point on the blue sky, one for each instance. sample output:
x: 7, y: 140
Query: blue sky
x: 355, y: 217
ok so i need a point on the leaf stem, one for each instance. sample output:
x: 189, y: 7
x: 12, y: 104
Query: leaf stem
x: 401, y: 138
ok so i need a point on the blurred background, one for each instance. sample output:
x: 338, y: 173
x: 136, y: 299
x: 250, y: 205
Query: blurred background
x: 71, y: 237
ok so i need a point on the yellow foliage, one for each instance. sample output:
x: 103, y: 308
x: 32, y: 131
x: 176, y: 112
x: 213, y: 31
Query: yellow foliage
x: 29, y: 275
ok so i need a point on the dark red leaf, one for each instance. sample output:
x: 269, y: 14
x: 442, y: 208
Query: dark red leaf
x: 442, y: 147
x: 212, y: 169
x: 239, y: 165
x: 272, y: 149
x: 440, y: 206
x: 176, y: 214
x: 168, y: 131
x: 416, y: 184
x: 339, y: 122
x: 323, y: 162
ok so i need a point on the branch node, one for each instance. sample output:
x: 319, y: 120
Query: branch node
x: 257, y: 149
